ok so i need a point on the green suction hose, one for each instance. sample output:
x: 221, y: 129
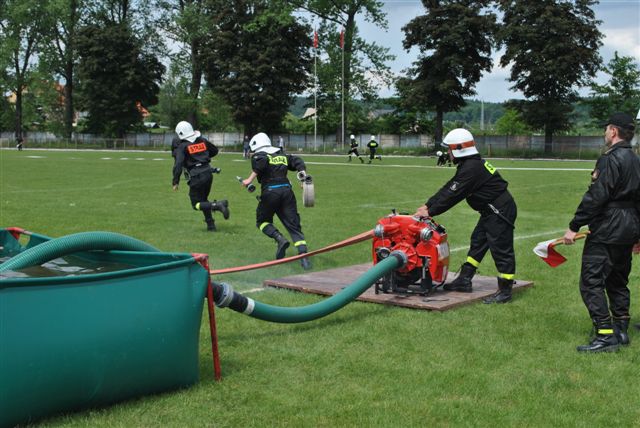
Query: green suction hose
x: 224, y: 296
x: 70, y: 244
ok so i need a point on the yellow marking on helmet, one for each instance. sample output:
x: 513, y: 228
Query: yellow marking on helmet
x: 507, y: 275
x: 263, y: 225
x: 605, y: 331
x: 473, y: 262
x: 298, y: 243
x: 489, y: 167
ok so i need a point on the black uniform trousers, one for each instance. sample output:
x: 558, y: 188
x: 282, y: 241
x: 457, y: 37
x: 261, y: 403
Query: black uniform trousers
x: 493, y: 233
x: 280, y: 201
x: 372, y: 152
x: 354, y: 151
x: 605, y: 268
x: 199, y: 189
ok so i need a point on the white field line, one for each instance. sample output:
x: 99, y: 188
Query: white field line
x: 379, y: 165
x: 455, y: 250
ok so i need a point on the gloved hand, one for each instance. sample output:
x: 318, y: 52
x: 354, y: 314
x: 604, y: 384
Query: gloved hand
x: 301, y: 175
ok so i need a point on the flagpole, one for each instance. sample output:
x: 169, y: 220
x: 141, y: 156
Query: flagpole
x: 342, y: 47
x: 315, y: 90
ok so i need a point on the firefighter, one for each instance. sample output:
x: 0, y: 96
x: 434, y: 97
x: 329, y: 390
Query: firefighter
x: 373, y: 147
x: 443, y: 159
x: 193, y: 154
x: 477, y: 181
x: 270, y: 165
x: 354, y: 148
x: 610, y: 208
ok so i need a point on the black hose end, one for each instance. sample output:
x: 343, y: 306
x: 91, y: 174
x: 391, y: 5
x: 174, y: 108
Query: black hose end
x: 222, y: 294
x: 401, y: 257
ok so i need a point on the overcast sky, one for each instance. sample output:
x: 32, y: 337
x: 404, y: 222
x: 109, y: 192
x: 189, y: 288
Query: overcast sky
x: 620, y: 26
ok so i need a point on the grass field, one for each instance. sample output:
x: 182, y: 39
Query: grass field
x: 365, y: 365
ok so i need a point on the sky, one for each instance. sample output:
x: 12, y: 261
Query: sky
x: 620, y: 26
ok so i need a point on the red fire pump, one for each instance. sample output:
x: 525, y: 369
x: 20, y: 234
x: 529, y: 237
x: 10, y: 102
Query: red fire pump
x: 425, y: 244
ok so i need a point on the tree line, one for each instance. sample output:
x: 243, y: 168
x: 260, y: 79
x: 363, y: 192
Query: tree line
x: 239, y: 64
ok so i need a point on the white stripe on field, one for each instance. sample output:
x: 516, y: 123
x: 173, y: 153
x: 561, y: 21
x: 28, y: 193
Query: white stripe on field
x: 379, y: 165
x: 518, y: 238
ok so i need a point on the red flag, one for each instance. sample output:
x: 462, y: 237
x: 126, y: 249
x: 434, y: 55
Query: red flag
x: 342, y: 39
x: 315, y: 39
x: 547, y: 252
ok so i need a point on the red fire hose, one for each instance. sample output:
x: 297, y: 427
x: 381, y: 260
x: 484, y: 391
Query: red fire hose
x: 350, y: 241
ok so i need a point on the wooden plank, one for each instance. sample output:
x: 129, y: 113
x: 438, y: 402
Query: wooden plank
x: 331, y: 281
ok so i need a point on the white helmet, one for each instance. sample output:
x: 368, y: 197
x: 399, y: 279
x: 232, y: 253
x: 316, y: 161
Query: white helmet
x: 353, y: 137
x: 438, y: 153
x: 461, y: 143
x: 261, y: 143
x: 185, y: 131
x: 373, y: 137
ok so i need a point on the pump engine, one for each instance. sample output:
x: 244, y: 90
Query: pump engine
x: 425, y: 244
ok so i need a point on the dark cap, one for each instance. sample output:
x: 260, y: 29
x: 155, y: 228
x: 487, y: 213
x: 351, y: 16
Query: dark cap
x: 621, y: 120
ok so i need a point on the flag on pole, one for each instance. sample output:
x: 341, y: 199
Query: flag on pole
x: 315, y: 40
x: 342, y: 39
x: 547, y: 252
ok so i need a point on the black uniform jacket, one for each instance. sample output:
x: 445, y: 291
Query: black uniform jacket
x: 192, y: 156
x: 475, y: 180
x: 272, y: 168
x: 610, y: 205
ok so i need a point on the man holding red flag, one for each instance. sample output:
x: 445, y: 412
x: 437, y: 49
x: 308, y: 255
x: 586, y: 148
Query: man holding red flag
x: 610, y: 208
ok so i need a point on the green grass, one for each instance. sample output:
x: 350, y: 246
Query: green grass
x: 365, y: 365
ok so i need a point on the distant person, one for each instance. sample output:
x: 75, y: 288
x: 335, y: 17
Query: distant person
x: 610, y: 209
x: 373, y: 147
x: 270, y: 166
x: 19, y: 143
x: 443, y: 158
x: 281, y: 143
x: 354, y: 148
x: 245, y: 147
x: 193, y: 154
x: 484, y: 189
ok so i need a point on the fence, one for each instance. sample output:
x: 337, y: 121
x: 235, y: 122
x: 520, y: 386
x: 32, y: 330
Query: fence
x: 525, y: 146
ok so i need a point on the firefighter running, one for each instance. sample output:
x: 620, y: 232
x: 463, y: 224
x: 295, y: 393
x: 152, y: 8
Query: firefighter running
x: 373, y: 147
x: 486, y: 192
x: 354, y: 148
x: 270, y: 166
x: 193, y: 154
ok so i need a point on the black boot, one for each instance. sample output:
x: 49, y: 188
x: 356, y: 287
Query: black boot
x: 283, y: 244
x: 462, y: 282
x: 222, y: 206
x: 304, y: 262
x: 361, y: 160
x: 605, y: 340
x: 621, y: 325
x: 211, y: 225
x: 503, y: 295
x: 349, y: 159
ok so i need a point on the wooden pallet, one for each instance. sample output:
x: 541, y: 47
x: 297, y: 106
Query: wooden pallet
x: 331, y: 281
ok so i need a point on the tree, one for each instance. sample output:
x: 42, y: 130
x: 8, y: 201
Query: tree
x: 22, y: 24
x: 365, y: 69
x: 115, y: 76
x: 511, y: 123
x: 455, y: 39
x: 621, y: 93
x: 59, y: 54
x: 183, y: 23
x: 257, y: 58
x: 552, y: 47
